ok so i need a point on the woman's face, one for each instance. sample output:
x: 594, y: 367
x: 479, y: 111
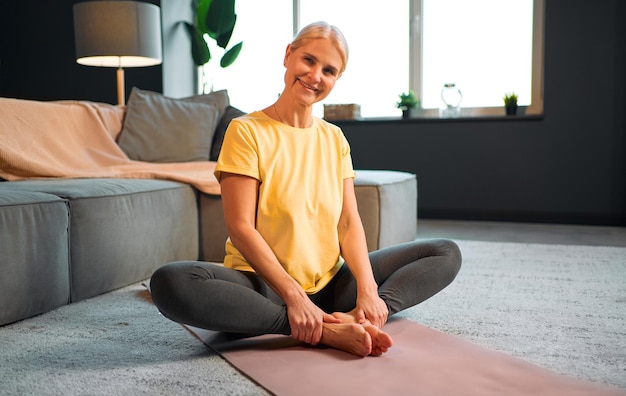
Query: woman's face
x: 312, y: 70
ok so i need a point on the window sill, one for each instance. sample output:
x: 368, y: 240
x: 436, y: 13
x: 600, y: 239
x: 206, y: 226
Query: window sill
x: 467, y: 114
x: 421, y: 120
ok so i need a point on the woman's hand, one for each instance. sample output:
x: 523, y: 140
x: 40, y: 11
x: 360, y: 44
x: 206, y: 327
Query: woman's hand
x: 306, y: 320
x: 369, y: 306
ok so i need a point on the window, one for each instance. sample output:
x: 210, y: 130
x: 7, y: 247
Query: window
x: 411, y: 44
x: 485, y: 47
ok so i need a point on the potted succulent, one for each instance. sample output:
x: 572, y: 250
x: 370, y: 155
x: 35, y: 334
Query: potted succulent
x: 510, y: 103
x: 408, y: 101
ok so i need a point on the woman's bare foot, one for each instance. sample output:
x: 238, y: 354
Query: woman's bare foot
x: 349, y: 337
x: 381, y: 341
x: 346, y: 317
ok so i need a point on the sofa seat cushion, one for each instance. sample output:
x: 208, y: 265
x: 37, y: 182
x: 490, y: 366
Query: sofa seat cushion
x: 387, y: 203
x: 34, y: 257
x: 213, y: 233
x: 121, y: 230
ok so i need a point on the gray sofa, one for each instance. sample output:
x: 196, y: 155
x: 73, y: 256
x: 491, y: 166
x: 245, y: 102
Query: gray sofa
x: 66, y: 240
x: 63, y: 240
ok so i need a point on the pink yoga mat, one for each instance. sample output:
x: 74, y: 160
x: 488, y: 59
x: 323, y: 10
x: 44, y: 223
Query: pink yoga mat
x: 421, y: 362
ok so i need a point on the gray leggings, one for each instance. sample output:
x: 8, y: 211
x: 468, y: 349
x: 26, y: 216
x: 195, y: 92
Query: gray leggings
x: 212, y: 297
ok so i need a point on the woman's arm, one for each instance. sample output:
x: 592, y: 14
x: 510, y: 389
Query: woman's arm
x: 239, y: 198
x: 354, y: 250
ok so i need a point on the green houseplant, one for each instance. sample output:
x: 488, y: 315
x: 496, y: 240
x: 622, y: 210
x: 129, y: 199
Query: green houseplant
x: 214, y: 20
x: 510, y: 103
x: 407, y: 102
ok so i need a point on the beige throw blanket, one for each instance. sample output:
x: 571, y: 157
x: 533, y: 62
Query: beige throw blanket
x: 76, y: 139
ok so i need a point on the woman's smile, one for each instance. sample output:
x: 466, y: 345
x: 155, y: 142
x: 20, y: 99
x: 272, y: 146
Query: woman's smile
x: 307, y: 86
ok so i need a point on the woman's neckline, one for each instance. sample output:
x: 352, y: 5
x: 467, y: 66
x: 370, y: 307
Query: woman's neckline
x: 280, y: 121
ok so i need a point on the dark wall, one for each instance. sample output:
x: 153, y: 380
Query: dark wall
x: 38, y: 59
x: 569, y: 166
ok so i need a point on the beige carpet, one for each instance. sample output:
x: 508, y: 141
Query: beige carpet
x: 559, y: 307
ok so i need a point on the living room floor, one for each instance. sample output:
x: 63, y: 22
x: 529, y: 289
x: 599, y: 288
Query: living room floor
x: 522, y: 232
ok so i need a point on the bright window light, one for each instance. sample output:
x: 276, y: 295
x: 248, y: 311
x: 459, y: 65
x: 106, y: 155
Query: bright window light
x: 483, y: 46
x: 255, y: 80
x: 486, y: 47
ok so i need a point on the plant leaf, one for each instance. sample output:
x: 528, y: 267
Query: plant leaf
x: 201, y: 10
x: 231, y: 55
x: 199, y: 48
x: 223, y: 39
x: 220, y: 17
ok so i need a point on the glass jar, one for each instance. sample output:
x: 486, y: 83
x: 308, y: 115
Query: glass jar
x: 451, y: 97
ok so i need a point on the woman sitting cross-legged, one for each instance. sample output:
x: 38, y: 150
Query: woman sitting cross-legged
x: 296, y: 259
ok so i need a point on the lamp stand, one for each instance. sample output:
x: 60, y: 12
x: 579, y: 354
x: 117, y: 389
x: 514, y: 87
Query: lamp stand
x: 121, y: 93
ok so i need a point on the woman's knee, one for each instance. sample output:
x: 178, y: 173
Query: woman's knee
x: 447, y: 253
x: 167, y: 281
x: 447, y: 247
x: 165, y: 275
x: 452, y: 252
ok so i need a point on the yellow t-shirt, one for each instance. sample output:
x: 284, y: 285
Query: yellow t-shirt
x: 301, y: 173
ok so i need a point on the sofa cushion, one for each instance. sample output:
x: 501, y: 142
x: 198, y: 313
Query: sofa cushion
x: 213, y: 233
x: 109, y: 117
x: 34, y: 257
x: 218, y: 138
x: 122, y: 230
x: 387, y: 203
x: 42, y: 139
x: 162, y: 129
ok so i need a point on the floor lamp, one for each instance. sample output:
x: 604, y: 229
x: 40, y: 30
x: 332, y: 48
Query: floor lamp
x: 117, y: 34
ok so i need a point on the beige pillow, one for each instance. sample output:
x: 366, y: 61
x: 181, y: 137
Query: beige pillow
x: 162, y: 129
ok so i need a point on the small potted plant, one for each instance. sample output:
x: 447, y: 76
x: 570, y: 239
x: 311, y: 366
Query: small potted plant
x: 407, y: 102
x: 510, y: 103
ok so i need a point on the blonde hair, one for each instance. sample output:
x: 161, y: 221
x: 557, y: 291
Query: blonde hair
x: 323, y: 29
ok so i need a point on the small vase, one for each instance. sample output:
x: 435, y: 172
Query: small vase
x: 510, y: 110
x: 451, y: 96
